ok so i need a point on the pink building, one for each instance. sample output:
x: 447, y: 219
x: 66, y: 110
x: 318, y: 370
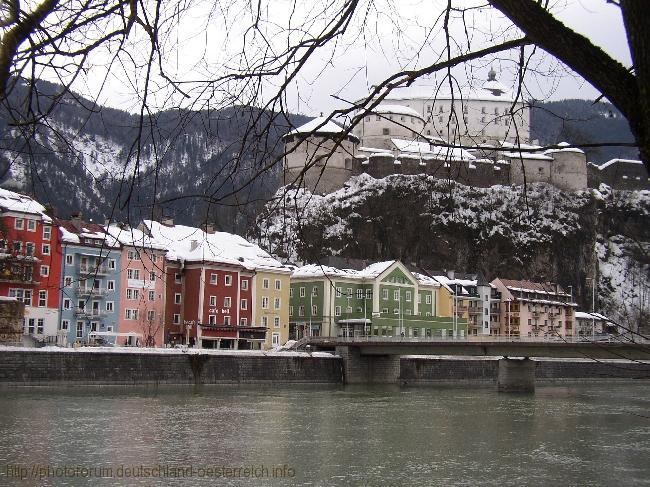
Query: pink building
x: 142, y: 303
x: 532, y: 309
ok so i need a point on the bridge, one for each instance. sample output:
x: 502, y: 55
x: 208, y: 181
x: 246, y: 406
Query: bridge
x: 376, y: 360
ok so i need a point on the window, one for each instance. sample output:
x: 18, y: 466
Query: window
x: 42, y: 299
x: 151, y: 315
x: 338, y: 292
x: 212, y: 320
x: 265, y: 321
x: 24, y: 295
x: 110, y: 285
x: 290, y: 310
x: 226, y: 302
x: 243, y: 321
x: 348, y: 309
x: 130, y: 314
x: 177, y: 319
x: 152, y: 276
x: 131, y: 254
x: 45, y: 270
x: 29, y: 249
x: 265, y: 302
x: 483, y: 110
x: 67, y: 304
x: 384, y: 311
x: 177, y: 298
x: 302, y: 292
x: 213, y: 300
x: 154, y: 258
x: 244, y: 284
x: 110, y: 307
x: 396, y: 295
x: 337, y: 311
x: 419, y: 298
x: 349, y: 294
x: 276, y: 322
x: 31, y: 225
x: 47, y: 232
x: 69, y: 260
x: 67, y: 281
x: 276, y: 303
x: 213, y: 278
x: 80, y: 329
x: 408, y: 296
x: 132, y: 293
x: 177, y: 278
x: 19, y: 224
x: 65, y: 324
x: 30, y: 325
x: 152, y: 295
x: 314, y: 310
x: 275, y: 339
x: 18, y: 246
x: 396, y: 311
x: 368, y: 293
x: 228, y: 280
x: 278, y: 284
x: 46, y: 249
x: 427, y: 299
x: 265, y: 283
x: 243, y: 304
x: 385, y: 131
x: 359, y: 293
x: 291, y: 292
x: 112, y: 265
x: 301, y: 311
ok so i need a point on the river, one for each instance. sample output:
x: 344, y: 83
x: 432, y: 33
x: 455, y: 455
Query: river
x: 577, y: 434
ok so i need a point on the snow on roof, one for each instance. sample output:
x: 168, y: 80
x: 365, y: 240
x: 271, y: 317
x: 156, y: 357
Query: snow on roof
x: 564, y: 147
x: 374, y: 150
x: 614, y: 161
x: 424, y: 149
x: 586, y: 315
x: 397, y: 110
x: 432, y: 93
x: 373, y: 270
x: 321, y: 125
x: 495, y: 87
x: 71, y: 234
x: 192, y: 244
x: 133, y: 237
x: 316, y: 270
x: 20, y: 203
x: 527, y: 155
x: 426, y: 280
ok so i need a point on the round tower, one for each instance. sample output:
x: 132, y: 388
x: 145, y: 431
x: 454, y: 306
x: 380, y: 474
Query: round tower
x: 318, y: 156
x: 569, y: 167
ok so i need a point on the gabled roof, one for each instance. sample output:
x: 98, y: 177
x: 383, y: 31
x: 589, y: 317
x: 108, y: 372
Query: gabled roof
x: 71, y: 234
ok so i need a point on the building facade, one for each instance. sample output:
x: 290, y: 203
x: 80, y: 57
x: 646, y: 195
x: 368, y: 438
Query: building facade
x: 91, y: 281
x: 532, y: 309
x: 384, y: 299
x: 30, y: 267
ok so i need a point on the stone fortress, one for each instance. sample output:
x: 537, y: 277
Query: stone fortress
x: 412, y: 130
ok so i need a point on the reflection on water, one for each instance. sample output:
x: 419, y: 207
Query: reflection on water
x: 594, y: 434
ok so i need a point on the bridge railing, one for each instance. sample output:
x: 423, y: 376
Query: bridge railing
x: 485, y: 338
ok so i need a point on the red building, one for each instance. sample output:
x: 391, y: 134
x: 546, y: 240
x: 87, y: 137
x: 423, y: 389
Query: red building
x: 209, y: 292
x: 30, y: 262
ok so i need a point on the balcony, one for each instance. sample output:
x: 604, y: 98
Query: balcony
x: 475, y: 311
x: 95, y: 270
x: 17, y: 269
x: 90, y: 313
x: 89, y: 291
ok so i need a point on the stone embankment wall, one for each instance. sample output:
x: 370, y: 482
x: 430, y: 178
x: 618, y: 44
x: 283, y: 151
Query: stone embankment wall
x: 36, y: 367
x: 423, y: 371
x: 51, y: 368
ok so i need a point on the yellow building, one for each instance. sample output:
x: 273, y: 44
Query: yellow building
x: 271, y: 298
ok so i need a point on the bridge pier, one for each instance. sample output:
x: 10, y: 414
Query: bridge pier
x: 368, y: 369
x: 516, y: 375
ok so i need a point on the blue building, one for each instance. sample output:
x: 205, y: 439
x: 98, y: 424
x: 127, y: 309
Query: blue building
x: 90, y: 287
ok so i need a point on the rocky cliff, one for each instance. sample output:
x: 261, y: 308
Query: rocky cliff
x: 538, y: 233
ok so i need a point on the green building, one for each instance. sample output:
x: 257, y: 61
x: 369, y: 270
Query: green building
x: 384, y: 299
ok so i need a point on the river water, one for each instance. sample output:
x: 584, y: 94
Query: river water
x: 584, y: 434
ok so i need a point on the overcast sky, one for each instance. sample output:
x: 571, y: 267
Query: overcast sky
x: 392, y: 36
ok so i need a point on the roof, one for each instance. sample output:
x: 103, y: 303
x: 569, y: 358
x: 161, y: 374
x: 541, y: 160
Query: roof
x: 191, y: 244
x: 133, y: 237
x: 586, y: 315
x: 533, y: 287
x: 20, y: 203
x: 424, y: 149
x: 321, y: 125
x: 397, y: 110
x: 316, y: 270
x: 71, y: 234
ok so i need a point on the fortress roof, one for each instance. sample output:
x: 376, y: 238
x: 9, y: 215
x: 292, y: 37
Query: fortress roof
x: 321, y: 125
x: 396, y: 110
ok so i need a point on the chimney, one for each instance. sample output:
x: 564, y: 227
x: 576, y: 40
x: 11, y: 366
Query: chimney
x: 451, y: 275
x: 76, y: 220
x: 167, y: 221
x: 209, y: 228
